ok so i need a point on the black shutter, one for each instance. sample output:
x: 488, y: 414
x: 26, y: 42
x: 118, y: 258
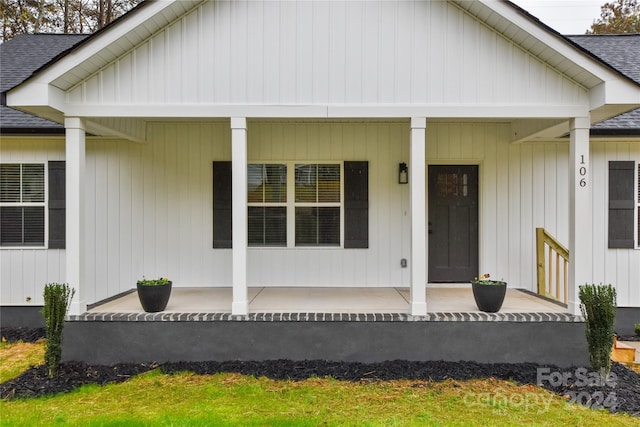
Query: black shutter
x: 621, y: 204
x: 222, y: 204
x: 356, y: 204
x: 57, y: 220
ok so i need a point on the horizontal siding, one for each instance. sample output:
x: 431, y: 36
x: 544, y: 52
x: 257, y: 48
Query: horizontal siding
x: 289, y: 52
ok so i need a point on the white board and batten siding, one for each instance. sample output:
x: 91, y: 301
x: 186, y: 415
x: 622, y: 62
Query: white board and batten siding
x: 326, y: 53
x: 620, y: 267
x: 149, y: 207
x: 24, y: 272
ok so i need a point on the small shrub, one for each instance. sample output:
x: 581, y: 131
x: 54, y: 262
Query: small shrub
x: 57, y: 298
x: 599, y: 310
x: 637, y: 327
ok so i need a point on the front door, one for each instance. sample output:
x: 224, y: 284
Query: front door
x: 453, y: 223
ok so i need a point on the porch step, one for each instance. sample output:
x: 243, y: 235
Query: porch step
x: 622, y: 352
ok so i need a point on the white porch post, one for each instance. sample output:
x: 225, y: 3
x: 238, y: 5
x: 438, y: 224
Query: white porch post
x: 580, y: 217
x: 417, y: 183
x: 240, y: 304
x: 74, y: 223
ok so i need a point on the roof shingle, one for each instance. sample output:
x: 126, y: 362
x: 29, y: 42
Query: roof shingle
x: 20, y: 57
x: 621, y: 51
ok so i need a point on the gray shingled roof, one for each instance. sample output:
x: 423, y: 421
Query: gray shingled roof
x: 621, y: 51
x: 20, y: 57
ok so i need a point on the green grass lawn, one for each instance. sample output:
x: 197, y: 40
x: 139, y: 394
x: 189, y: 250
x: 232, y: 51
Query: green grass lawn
x: 185, y: 399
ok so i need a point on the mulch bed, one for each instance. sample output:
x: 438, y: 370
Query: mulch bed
x: 628, y: 338
x: 22, y: 334
x: 621, y: 394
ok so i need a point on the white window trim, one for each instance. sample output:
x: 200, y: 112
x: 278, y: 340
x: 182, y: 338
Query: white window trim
x: 45, y: 204
x: 291, y: 203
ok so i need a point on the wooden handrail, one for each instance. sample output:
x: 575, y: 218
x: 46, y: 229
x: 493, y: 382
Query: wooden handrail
x: 556, y: 251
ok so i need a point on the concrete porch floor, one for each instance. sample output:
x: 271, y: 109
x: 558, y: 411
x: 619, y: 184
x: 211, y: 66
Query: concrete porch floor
x: 440, y: 299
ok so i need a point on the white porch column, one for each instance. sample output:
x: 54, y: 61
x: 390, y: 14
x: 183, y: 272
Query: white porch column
x: 417, y: 183
x: 74, y: 223
x: 580, y: 216
x: 240, y: 304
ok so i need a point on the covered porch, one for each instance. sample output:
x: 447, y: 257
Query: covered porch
x: 390, y: 300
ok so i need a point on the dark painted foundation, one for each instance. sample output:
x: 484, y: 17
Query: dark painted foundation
x: 626, y: 318
x: 21, y: 317
x: 108, y: 342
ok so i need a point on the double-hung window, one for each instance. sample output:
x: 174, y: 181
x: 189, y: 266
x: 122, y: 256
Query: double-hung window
x: 317, y: 204
x: 267, y: 198
x: 296, y: 204
x: 311, y: 213
x: 22, y: 204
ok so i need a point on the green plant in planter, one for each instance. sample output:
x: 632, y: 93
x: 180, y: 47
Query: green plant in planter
x: 598, y: 307
x: 489, y: 294
x: 485, y: 280
x: 637, y: 328
x: 154, y: 294
x: 57, y: 298
x: 153, y: 282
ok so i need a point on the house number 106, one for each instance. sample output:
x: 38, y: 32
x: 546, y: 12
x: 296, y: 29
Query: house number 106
x: 583, y: 172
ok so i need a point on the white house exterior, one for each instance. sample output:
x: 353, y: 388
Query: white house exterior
x: 153, y: 102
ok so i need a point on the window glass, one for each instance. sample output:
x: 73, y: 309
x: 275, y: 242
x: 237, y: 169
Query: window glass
x: 267, y: 183
x: 306, y: 179
x: 317, y: 226
x: 22, y: 210
x: 267, y: 212
x: 10, y: 183
x: 33, y: 183
x: 318, y: 183
x: 315, y: 209
x: 267, y: 226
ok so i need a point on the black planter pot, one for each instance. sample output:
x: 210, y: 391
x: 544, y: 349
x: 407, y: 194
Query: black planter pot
x: 489, y: 298
x: 154, y: 298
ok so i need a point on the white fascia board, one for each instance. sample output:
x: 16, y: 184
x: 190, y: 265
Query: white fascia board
x: 613, y: 92
x: 195, y: 111
x: 37, y: 94
x: 554, y: 41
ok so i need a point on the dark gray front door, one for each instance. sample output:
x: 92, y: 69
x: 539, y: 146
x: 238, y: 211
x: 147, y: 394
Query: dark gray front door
x: 453, y: 223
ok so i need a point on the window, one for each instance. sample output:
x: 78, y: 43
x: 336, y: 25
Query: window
x: 623, y: 204
x: 267, y: 198
x: 317, y: 204
x: 22, y: 204
x: 296, y: 204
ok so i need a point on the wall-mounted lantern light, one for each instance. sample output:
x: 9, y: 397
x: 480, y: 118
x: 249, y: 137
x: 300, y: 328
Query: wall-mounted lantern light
x: 403, y: 173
